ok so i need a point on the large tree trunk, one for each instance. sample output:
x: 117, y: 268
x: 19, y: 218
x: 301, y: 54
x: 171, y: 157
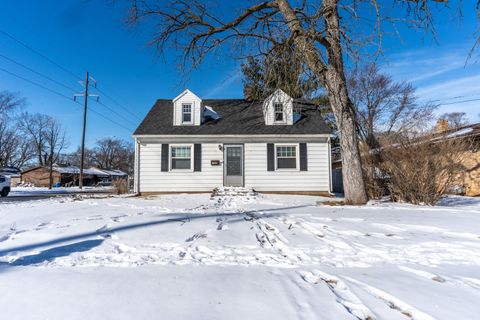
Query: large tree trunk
x: 333, y: 78
x: 353, y: 181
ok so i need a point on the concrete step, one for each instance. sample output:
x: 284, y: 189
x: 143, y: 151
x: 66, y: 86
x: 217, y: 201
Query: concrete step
x: 233, y: 192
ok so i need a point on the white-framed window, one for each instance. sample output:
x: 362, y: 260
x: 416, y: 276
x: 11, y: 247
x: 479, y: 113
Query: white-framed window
x: 181, y: 157
x: 286, y: 157
x: 186, y: 113
x: 279, y: 112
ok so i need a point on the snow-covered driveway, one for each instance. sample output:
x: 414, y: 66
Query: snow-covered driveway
x: 271, y: 256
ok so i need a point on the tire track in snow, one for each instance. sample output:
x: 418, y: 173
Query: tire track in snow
x: 343, y: 294
x: 393, y: 302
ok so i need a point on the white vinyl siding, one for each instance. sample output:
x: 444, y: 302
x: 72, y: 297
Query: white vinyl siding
x: 187, y: 98
x: 317, y: 178
x: 278, y: 98
x: 152, y: 179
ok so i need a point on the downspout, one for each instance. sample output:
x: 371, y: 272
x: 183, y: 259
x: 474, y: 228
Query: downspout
x: 136, y: 176
x: 330, y: 166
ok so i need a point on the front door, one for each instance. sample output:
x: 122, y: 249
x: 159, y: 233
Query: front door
x: 233, y: 165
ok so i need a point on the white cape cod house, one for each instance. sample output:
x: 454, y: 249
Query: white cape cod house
x: 192, y: 145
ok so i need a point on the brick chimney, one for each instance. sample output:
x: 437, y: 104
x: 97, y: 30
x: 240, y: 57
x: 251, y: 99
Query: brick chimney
x: 442, y: 125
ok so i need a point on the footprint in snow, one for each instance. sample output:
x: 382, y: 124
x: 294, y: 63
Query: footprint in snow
x: 196, y: 236
x: 118, y: 218
x: 92, y: 218
x: 222, y: 224
x: 103, y: 228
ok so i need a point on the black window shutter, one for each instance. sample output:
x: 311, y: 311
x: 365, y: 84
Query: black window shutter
x: 164, y: 167
x: 303, y: 157
x: 197, y: 160
x: 270, y: 157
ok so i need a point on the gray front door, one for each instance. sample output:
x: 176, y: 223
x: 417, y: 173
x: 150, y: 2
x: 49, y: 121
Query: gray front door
x: 233, y: 165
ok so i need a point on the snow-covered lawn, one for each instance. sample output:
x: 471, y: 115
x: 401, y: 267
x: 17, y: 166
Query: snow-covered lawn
x: 264, y: 257
x: 35, y: 191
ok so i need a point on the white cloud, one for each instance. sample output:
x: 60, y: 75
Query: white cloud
x: 225, y: 83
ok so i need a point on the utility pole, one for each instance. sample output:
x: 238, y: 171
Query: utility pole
x: 82, y: 155
x: 85, y: 102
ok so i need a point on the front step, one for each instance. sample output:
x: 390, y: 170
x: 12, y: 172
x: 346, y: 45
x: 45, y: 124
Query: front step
x: 233, y: 192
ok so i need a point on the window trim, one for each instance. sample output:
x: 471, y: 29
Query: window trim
x: 170, y: 147
x: 191, y: 112
x: 284, y: 120
x: 297, y: 156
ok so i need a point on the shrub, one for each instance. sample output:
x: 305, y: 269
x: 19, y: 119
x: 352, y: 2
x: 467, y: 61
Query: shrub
x: 120, y: 185
x: 420, y: 171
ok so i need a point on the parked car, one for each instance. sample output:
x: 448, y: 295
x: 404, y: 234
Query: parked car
x: 4, y: 186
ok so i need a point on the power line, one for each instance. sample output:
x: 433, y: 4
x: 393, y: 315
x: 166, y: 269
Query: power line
x: 37, y: 84
x: 40, y: 54
x: 114, y: 112
x: 62, y: 68
x: 64, y: 96
x: 36, y: 72
x: 118, y: 104
x: 107, y: 118
x: 458, y: 102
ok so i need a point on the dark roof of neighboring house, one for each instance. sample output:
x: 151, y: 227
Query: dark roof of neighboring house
x: 237, y: 116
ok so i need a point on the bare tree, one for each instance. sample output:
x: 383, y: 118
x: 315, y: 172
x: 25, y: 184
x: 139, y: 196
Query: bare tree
x: 34, y: 126
x: 14, y: 147
x: 55, y: 141
x: 107, y: 153
x: 112, y: 153
x: 455, y: 119
x: 10, y: 102
x: 385, y: 107
x: 321, y: 32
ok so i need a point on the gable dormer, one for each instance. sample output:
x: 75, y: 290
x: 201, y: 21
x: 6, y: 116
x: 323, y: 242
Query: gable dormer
x: 187, y: 109
x: 278, y: 109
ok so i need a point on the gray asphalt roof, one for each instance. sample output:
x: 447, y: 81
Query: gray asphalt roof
x: 237, y: 116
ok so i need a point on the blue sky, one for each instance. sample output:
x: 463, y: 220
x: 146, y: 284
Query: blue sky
x: 90, y: 35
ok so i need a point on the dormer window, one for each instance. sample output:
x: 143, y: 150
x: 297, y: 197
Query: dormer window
x: 279, y: 112
x: 186, y: 113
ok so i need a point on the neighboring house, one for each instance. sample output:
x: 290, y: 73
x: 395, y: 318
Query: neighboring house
x: 70, y: 175
x: 468, y: 182
x: 13, y: 173
x: 107, y: 176
x: 192, y: 145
